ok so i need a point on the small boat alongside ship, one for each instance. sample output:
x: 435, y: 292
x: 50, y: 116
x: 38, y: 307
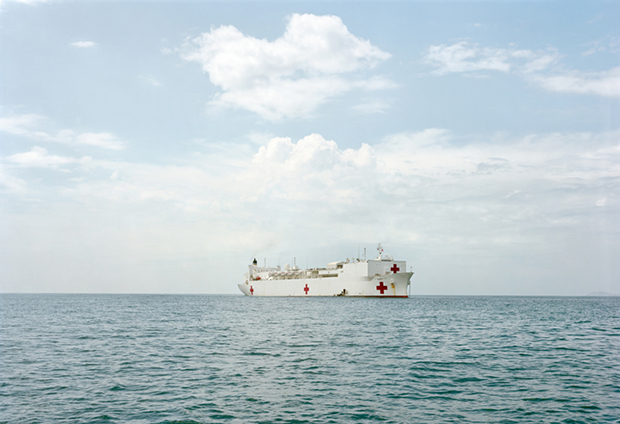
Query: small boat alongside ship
x: 379, y: 277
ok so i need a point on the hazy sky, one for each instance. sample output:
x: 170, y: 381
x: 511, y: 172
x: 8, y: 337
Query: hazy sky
x: 157, y: 147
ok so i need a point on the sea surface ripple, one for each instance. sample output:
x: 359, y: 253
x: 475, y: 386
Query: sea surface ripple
x: 210, y: 359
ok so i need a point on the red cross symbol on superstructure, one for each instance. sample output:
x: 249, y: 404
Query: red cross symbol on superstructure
x: 306, y: 289
x: 381, y: 287
x: 251, y: 290
x: 395, y: 269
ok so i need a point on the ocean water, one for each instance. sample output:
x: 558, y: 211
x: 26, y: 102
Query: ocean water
x: 211, y: 359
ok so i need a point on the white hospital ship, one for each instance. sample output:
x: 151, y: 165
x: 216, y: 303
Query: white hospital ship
x: 379, y: 277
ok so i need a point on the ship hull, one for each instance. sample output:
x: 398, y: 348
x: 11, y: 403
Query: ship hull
x: 387, y: 285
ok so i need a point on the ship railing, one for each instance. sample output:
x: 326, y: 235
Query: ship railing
x: 285, y: 275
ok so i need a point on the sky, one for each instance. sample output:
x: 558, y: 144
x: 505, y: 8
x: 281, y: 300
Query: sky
x: 158, y: 147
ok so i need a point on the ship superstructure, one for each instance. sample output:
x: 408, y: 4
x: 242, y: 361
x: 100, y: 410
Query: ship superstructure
x: 379, y: 277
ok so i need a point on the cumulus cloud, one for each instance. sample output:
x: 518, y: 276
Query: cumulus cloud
x: 534, y: 66
x: 83, y: 44
x: 311, y: 168
x: 27, y: 125
x: 417, y: 184
x: 288, y: 77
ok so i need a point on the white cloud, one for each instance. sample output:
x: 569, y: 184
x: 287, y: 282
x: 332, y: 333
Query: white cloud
x: 469, y: 57
x: 290, y: 76
x: 432, y: 165
x: 22, y: 125
x: 309, y: 169
x: 9, y: 183
x: 419, y: 169
x: 104, y: 140
x: 283, y: 98
x: 26, y: 126
x: 608, y: 43
x: 83, y: 44
x: 536, y: 67
x: 38, y: 157
x: 370, y: 107
x: 464, y: 57
x: 606, y: 83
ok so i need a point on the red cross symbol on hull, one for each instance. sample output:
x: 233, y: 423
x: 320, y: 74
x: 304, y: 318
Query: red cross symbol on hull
x: 306, y: 289
x: 251, y: 290
x: 395, y: 269
x: 381, y: 287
